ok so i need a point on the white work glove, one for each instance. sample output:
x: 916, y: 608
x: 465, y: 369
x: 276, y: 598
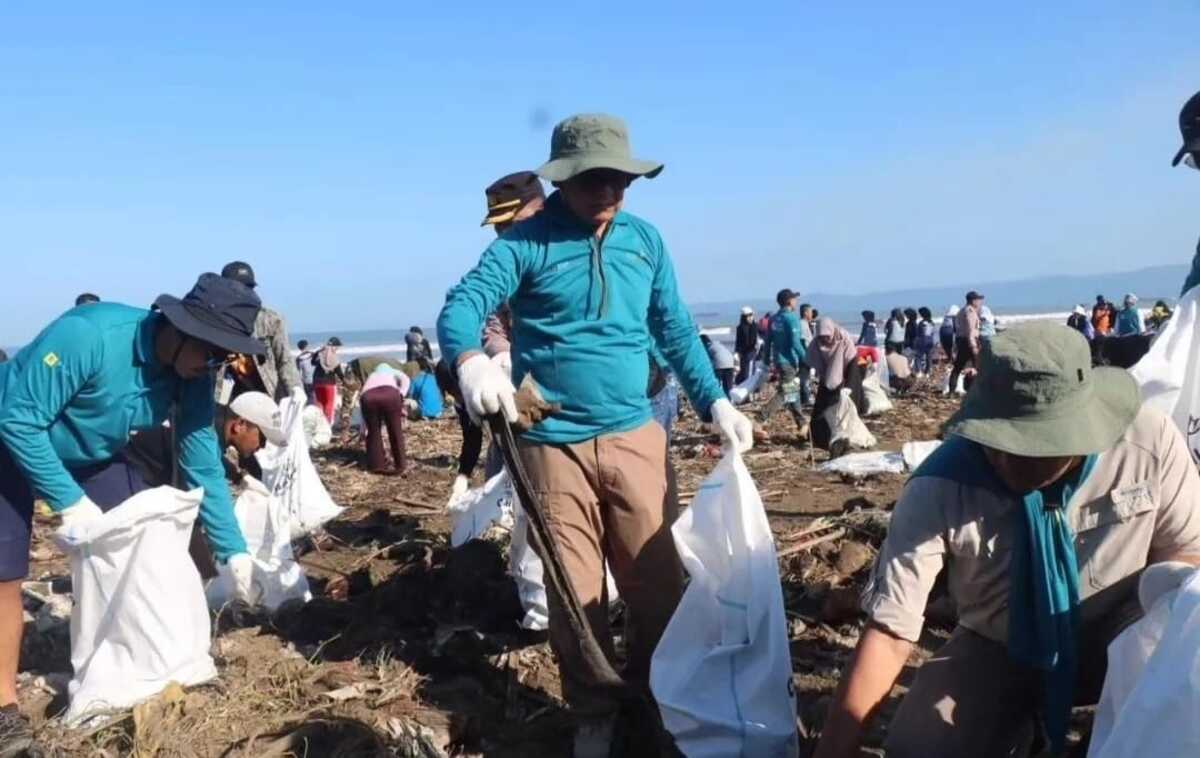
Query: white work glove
x: 461, y: 485
x: 241, y: 568
x: 1159, y: 579
x: 83, y: 511
x: 737, y: 432
x: 486, y: 389
x: 504, y: 361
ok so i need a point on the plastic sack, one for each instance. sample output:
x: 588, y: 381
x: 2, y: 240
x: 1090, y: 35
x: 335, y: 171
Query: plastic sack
x: 289, y: 474
x: 476, y: 510
x: 1169, y: 374
x: 865, y: 464
x: 267, y: 529
x: 752, y: 383
x: 526, y: 569
x: 1152, y: 690
x: 877, y: 397
x: 722, y: 672
x: 844, y: 423
x: 915, y: 453
x: 140, y: 620
x: 317, y: 431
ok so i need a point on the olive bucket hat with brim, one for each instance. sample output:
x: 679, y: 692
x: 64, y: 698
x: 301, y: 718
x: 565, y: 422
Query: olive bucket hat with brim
x: 589, y: 141
x: 1038, y: 396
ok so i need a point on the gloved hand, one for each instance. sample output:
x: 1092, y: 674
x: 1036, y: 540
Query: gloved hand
x: 486, y: 389
x: 83, y: 511
x: 737, y: 432
x: 241, y: 567
x: 504, y: 361
x: 461, y: 485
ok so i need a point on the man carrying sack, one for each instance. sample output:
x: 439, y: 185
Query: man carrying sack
x: 69, y: 402
x: 1054, y: 489
x: 591, y: 289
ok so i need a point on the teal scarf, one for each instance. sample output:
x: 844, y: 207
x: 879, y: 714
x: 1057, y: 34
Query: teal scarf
x: 1043, y: 594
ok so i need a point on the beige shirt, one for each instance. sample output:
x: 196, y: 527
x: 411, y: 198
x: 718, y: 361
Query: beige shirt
x: 1139, y: 505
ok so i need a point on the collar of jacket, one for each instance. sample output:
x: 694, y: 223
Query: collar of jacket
x: 143, y: 340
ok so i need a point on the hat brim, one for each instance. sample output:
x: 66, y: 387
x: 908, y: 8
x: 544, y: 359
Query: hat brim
x: 500, y: 218
x: 182, y: 319
x: 562, y: 169
x: 1092, y: 427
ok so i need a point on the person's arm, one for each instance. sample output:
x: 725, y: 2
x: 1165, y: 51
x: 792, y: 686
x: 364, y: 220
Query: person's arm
x: 865, y: 684
x: 201, y: 466
x: 43, y: 380
x: 289, y: 377
x: 798, y: 348
x: 496, y: 338
x: 674, y: 332
x: 1177, y: 522
x: 481, y: 291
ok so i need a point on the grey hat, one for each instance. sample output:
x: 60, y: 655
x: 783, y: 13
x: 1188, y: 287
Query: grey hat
x: 592, y: 140
x: 1038, y: 396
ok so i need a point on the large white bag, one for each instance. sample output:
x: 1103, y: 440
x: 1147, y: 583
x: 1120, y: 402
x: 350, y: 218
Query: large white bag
x: 844, y: 423
x: 140, y: 620
x: 265, y: 525
x: 1157, y: 716
x: 877, y: 397
x: 722, y: 672
x: 753, y: 383
x: 1169, y: 373
x: 289, y: 474
x: 476, y: 510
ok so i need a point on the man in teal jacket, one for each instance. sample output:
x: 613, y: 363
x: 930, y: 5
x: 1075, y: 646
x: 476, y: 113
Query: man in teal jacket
x: 591, y: 289
x: 68, y: 404
x: 790, y: 357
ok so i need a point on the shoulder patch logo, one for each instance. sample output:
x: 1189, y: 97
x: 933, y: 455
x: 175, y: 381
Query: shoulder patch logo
x: 51, y: 360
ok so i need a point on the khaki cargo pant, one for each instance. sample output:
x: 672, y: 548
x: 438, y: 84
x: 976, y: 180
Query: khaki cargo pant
x: 608, y: 498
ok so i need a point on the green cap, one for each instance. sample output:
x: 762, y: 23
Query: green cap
x: 592, y: 140
x: 1037, y: 395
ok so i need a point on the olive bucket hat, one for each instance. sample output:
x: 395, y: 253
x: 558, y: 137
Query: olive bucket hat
x: 592, y: 140
x: 1038, y: 396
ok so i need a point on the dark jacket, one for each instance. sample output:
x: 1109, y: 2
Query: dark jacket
x: 747, y: 337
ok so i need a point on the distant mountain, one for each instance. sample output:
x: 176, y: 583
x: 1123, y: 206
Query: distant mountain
x: 1045, y: 294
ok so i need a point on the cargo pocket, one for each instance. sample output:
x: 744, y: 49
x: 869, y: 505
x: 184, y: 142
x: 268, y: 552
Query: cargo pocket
x: 1113, y: 534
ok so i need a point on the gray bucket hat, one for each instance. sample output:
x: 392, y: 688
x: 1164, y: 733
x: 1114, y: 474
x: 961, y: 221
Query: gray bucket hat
x: 1037, y: 395
x: 592, y: 140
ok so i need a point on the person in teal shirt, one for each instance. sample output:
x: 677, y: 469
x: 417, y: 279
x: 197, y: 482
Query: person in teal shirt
x: 424, y: 390
x: 791, y: 363
x: 1129, y: 318
x: 70, y: 400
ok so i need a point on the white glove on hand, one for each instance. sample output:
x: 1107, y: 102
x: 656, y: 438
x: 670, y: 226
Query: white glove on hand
x: 241, y: 568
x: 83, y: 511
x: 486, y: 389
x: 504, y: 361
x: 736, y: 430
x: 461, y: 485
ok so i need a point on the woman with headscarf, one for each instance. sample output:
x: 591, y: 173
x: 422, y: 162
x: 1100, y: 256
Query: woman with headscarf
x: 835, y: 359
x: 1129, y: 319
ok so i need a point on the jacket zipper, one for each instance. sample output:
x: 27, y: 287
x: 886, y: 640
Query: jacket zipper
x: 598, y: 265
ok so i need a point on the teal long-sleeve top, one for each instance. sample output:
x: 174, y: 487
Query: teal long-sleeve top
x: 787, y: 344
x: 72, y: 396
x: 585, y: 312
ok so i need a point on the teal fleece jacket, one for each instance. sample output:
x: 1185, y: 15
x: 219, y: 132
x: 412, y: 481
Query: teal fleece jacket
x: 786, y: 343
x: 72, y: 396
x: 585, y: 314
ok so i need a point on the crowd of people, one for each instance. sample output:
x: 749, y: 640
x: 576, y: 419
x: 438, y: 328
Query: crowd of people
x: 111, y: 399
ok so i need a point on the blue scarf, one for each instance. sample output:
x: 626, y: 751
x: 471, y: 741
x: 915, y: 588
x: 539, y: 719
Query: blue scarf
x: 1043, y: 593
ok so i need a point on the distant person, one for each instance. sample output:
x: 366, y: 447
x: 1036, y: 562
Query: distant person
x: 788, y: 353
x: 835, y: 360
x: 273, y: 373
x: 306, y: 369
x: 327, y: 372
x: 1079, y: 321
x: 869, y: 336
x: 911, y: 319
x: 946, y: 333
x: 86, y: 298
x: 382, y: 405
x: 722, y: 362
x: 987, y: 325
x: 967, y: 348
x: 746, y: 343
x: 924, y: 341
x: 1129, y: 319
x: 428, y: 398
x: 417, y: 347
x: 1159, y: 315
x: 900, y: 375
x: 1102, y: 320
x: 893, y: 332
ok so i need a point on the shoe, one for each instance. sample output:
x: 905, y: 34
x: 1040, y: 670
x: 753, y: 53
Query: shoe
x: 16, y: 735
x: 594, y: 736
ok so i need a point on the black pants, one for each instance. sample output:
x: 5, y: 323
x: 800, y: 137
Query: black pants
x: 827, y: 398
x: 747, y: 363
x: 947, y: 346
x: 964, y: 357
x: 725, y: 376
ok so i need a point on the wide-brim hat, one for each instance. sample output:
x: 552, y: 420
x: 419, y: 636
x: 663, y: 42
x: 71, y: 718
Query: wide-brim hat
x: 1189, y: 128
x: 218, y: 311
x: 1037, y: 395
x: 590, y: 141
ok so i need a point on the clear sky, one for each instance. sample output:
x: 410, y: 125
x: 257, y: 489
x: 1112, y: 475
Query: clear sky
x: 343, y: 148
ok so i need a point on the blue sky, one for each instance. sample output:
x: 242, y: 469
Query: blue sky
x: 343, y: 150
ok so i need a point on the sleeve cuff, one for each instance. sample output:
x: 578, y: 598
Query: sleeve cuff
x: 893, y: 617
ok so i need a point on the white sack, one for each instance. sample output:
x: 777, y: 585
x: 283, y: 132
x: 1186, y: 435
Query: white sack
x: 289, y: 474
x: 876, y: 396
x: 476, y: 510
x: 865, y: 464
x: 844, y: 423
x: 317, y: 431
x: 1169, y: 374
x: 265, y: 525
x: 915, y: 453
x: 722, y: 672
x: 526, y: 569
x: 753, y: 383
x: 140, y: 620
x: 1157, y: 717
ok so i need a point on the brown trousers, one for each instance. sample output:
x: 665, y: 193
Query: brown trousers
x: 609, y: 498
x: 384, y: 407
